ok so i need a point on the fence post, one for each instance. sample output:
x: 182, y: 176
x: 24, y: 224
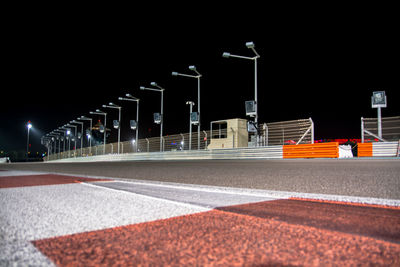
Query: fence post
x: 362, y: 130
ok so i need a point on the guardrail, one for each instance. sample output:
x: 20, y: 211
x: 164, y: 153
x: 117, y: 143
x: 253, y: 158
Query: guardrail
x: 320, y: 150
x: 378, y: 149
x: 271, y: 152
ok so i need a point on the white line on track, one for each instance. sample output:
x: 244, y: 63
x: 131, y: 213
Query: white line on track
x: 253, y: 192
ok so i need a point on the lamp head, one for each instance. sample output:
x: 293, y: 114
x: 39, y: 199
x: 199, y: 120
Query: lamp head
x: 226, y: 54
x: 128, y: 95
x: 141, y: 87
x: 192, y: 67
x: 250, y: 45
x: 174, y: 73
x: 153, y: 84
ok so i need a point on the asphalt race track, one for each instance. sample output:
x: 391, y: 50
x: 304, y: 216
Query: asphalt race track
x: 352, y: 177
x: 201, y: 213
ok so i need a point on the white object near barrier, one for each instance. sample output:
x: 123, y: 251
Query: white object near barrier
x: 345, y: 151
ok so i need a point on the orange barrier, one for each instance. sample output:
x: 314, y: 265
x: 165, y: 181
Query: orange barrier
x: 365, y: 149
x: 321, y: 150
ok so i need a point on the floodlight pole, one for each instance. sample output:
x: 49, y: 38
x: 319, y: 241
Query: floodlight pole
x: 379, y: 122
x: 112, y: 105
x: 251, y: 46
x: 29, y: 126
x: 198, y: 76
x: 99, y: 112
x: 81, y: 123
x: 83, y: 118
x: 76, y: 128
x: 191, y: 103
x: 161, y: 90
x: 129, y: 97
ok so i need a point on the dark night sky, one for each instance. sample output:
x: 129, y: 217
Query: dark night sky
x: 60, y: 66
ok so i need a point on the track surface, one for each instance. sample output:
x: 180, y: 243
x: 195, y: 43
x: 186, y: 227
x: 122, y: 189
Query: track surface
x: 71, y: 220
x: 351, y: 177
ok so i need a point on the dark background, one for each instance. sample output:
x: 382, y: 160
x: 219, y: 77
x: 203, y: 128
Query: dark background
x: 58, y: 65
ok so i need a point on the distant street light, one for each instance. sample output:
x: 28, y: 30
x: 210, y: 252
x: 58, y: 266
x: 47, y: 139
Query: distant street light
x: 99, y: 112
x: 81, y: 123
x: 191, y: 103
x: 129, y: 97
x: 161, y: 90
x: 75, y: 135
x: 67, y: 133
x: 28, y: 126
x: 198, y: 76
x: 83, y: 118
x: 251, y: 46
x: 112, y: 105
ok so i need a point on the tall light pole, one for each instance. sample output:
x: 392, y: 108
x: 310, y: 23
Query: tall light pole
x: 28, y: 126
x: 251, y: 46
x: 129, y: 97
x: 191, y: 103
x: 198, y: 76
x: 161, y: 90
x: 112, y: 105
x: 81, y: 123
x: 99, y: 112
x: 75, y: 136
x: 83, y: 118
x: 67, y: 137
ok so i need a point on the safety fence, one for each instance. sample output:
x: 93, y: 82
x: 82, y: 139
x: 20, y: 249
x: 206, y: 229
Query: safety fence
x: 322, y: 150
x: 329, y: 150
x: 379, y: 149
x: 390, y: 129
x: 287, y: 132
x: 177, y: 142
x: 273, y: 152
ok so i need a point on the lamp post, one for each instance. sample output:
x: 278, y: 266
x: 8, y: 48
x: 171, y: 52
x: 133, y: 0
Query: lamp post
x: 129, y: 97
x: 99, y: 112
x: 191, y: 103
x: 112, y: 105
x: 76, y: 129
x: 198, y: 76
x: 83, y: 118
x: 67, y: 137
x: 251, y: 46
x: 28, y: 126
x: 81, y: 123
x: 161, y: 90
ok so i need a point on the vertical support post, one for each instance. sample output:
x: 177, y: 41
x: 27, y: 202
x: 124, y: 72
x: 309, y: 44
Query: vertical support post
x: 256, y: 97
x: 198, y: 111
x: 379, y: 123
x: 137, y: 125
x: 162, y: 121
x: 312, y: 131
x: 190, y: 126
x: 362, y: 130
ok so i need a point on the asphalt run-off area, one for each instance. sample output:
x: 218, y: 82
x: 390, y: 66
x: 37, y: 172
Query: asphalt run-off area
x: 319, y: 212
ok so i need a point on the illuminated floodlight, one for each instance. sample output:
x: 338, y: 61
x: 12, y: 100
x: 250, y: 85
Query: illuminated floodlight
x: 250, y: 45
x: 378, y: 99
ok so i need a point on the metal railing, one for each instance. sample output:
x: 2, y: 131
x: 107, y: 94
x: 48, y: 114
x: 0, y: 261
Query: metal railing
x: 287, y: 132
x: 390, y: 129
x: 273, y: 134
x: 177, y: 142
